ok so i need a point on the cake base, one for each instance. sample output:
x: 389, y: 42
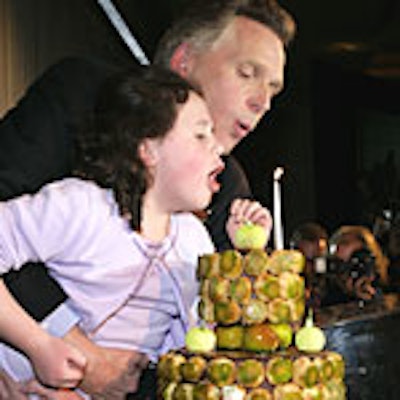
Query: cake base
x: 239, y: 375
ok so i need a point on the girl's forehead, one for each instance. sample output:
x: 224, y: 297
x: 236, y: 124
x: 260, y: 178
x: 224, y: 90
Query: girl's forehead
x: 195, y: 110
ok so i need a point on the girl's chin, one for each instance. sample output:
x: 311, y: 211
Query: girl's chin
x: 201, y: 202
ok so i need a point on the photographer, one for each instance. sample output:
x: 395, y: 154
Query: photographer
x: 357, y: 268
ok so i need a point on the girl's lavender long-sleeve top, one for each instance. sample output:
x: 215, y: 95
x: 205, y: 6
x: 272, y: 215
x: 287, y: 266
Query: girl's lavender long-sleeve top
x: 127, y: 291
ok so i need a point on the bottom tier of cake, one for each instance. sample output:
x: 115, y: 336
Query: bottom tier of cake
x: 237, y: 375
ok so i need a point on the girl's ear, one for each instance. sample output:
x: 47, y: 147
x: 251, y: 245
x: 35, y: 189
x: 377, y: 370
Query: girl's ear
x: 181, y: 59
x: 148, y: 152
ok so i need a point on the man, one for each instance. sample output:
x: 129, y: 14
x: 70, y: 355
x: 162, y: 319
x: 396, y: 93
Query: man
x: 234, y: 50
x: 240, y: 68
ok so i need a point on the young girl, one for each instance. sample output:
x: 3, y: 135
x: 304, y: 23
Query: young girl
x: 119, y: 237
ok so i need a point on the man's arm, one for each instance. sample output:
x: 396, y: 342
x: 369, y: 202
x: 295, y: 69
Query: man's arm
x: 36, y: 291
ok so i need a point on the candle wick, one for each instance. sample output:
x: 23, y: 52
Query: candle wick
x: 278, y: 173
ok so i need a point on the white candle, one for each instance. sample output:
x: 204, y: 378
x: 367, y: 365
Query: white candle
x: 278, y: 228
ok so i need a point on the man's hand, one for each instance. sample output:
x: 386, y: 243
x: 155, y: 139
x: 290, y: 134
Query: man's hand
x: 110, y: 373
x: 114, y: 374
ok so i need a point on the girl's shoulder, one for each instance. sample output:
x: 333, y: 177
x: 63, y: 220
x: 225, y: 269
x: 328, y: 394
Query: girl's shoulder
x: 79, y: 193
x: 192, y: 232
x: 71, y: 184
x: 73, y: 187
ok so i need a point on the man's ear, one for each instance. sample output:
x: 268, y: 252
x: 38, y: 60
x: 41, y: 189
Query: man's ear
x: 147, y: 151
x: 181, y: 58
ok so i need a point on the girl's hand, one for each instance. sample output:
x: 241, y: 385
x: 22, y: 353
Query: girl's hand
x: 244, y: 210
x: 57, y: 363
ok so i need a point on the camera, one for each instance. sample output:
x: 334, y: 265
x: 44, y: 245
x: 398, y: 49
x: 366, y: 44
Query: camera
x: 345, y: 280
x: 361, y: 263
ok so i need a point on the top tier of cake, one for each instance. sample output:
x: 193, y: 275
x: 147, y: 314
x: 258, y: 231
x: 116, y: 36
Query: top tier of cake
x: 252, y: 298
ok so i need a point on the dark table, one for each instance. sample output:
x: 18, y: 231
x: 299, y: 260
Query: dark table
x: 368, y: 337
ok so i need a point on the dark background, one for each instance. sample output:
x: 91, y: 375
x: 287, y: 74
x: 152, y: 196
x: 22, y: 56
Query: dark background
x: 335, y: 129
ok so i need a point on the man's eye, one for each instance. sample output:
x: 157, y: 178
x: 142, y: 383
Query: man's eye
x: 246, y: 71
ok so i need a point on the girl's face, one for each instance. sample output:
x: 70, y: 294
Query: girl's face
x: 187, y: 160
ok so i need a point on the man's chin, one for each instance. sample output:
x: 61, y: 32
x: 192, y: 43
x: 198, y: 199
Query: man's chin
x: 228, y: 144
x: 228, y: 149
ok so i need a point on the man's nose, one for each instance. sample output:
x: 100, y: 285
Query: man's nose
x: 260, y: 101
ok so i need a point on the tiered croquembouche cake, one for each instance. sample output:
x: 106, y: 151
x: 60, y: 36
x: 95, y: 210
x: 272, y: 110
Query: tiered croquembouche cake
x: 252, y: 345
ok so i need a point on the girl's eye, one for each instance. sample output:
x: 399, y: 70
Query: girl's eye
x: 201, y: 136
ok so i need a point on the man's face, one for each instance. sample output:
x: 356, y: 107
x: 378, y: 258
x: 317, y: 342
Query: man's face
x: 239, y: 75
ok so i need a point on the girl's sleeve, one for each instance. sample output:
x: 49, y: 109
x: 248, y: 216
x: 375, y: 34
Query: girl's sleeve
x: 38, y: 227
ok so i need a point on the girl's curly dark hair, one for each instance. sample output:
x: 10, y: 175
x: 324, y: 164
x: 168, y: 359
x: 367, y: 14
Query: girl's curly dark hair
x: 131, y: 106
